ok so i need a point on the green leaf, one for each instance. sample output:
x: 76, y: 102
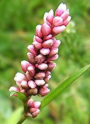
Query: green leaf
x: 53, y: 94
x: 20, y: 95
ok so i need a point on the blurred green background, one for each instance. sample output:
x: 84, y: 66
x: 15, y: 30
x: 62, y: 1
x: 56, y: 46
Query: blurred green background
x: 18, y: 19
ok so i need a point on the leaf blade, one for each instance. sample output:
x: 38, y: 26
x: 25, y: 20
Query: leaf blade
x: 20, y: 95
x: 48, y: 98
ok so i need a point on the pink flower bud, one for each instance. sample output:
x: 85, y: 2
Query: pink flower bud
x: 43, y: 91
x: 52, y: 58
x: 51, y: 66
x: 32, y: 49
x: 50, y: 16
x: 53, y: 52
x: 33, y: 91
x: 67, y: 21
x: 19, y: 85
x: 47, y: 78
x: 24, y: 65
x: 38, y: 31
x: 45, y: 51
x: 40, y: 82
x: 31, y: 58
x: 65, y: 15
x: 24, y: 84
x: 40, y: 75
x: 34, y: 114
x: 39, y: 59
x: 56, y: 43
x: 37, y: 104
x: 31, y: 84
x: 47, y: 73
x: 45, y: 16
x: 46, y: 85
x: 30, y: 103
x: 57, y: 21
x: 19, y: 77
x: 14, y: 89
x: 43, y: 66
x: 33, y: 110
x: 37, y: 45
x: 59, y: 29
x: 48, y: 37
x: 47, y: 43
x: 38, y: 39
x: 46, y: 29
x: 28, y: 76
x: 31, y: 70
x: 60, y: 10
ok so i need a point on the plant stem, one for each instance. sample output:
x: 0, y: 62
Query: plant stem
x: 23, y: 118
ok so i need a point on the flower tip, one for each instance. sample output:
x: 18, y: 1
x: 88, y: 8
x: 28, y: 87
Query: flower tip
x: 62, y: 6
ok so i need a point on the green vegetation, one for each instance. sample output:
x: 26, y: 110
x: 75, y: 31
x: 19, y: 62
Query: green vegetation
x: 18, y: 19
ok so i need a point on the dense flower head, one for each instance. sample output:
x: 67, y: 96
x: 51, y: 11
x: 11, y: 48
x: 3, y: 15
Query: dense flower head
x: 44, y: 49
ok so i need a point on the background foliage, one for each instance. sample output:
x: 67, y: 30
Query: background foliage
x: 18, y: 19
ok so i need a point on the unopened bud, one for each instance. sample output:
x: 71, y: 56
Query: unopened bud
x: 47, y: 78
x: 57, y: 21
x: 33, y: 110
x: 59, y: 29
x: 40, y: 82
x: 38, y: 31
x: 45, y: 51
x: 38, y: 39
x: 43, y: 66
x: 40, y: 75
x: 24, y: 65
x: 32, y: 84
x: 52, y: 58
x: 32, y: 49
x: 34, y: 114
x: 31, y: 57
x: 47, y: 43
x: 67, y: 21
x: 39, y: 59
x: 60, y: 10
x: 14, y: 89
x: 46, y: 29
x: 51, y: 66
x: 30, y: 103
x: 33, y: 91
x: 50, y: 16
x: 31, y: 70
x: 28, y: 76
x: 48, y: 37
x: 53, y: 52
x: 37, y: 104
x: 24, y: 84
x: 65, y: 15
x: 56, y: 43
x: 19, y: 77
x: 37, y: 45
x: 43, y: 91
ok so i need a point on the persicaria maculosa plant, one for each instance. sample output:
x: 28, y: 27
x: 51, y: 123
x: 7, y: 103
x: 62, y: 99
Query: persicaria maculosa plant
x: 37, y: 69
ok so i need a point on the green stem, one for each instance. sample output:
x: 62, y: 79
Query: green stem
x: 23, y: 118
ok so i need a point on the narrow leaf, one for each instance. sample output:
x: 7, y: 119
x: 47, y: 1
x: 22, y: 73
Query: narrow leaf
x: 20, y: 95
x: 12, y: 93
x: 53, y: 94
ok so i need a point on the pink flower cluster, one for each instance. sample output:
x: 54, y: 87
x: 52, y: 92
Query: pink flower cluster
x: 44, y: 49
